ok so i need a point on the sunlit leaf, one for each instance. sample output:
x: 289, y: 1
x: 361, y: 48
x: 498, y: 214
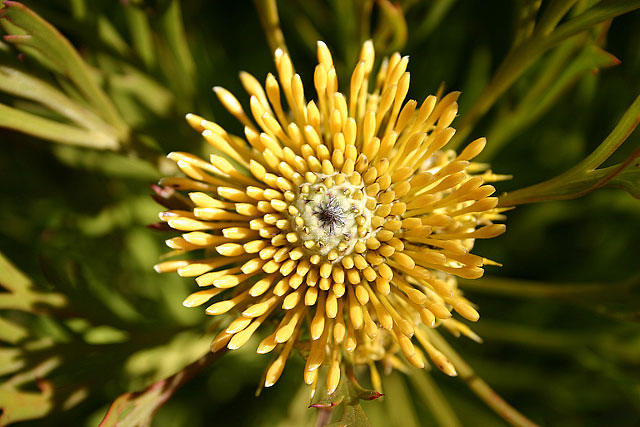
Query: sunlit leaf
x: 22, y: 295
x: 137, y: 409
x: 584, y: 177
x: 17, y: 405
x: 392, y: 25
x: 524, y: 55
x: 628, y: 178
x: 557, y: 76
x: 38, y: 35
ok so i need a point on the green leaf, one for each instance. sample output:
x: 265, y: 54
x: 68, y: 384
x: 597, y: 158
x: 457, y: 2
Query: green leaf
x: 137, y: 409
x: 553, y: 13
x: 477, y: 384
x: 21, y: 295
x: 141, y: 34
x: 398, y: 401
x: 11, y: 333
x: 433, y: 397
x: 107, y: 163
x: 557, y: 77
x: 392, y: 26
x: 176, y: 38
x: 143, y: 89
x: 19, y: 83
x: 628, y: 179
x: 525, y: 54
x: 584, y: 177
x: 38, y: 35
x: 52, y: 130
x: 438, y: 9
x: 17, y: 405
x: 353, y: 416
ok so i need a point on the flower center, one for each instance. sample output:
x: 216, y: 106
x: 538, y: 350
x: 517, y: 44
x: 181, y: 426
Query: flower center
x: 331, y: 216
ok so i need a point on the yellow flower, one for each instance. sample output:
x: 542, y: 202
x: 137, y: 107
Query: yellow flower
x: 342, y: 219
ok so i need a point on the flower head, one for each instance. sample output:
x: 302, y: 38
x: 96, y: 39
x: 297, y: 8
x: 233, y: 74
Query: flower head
x: 342, y: 220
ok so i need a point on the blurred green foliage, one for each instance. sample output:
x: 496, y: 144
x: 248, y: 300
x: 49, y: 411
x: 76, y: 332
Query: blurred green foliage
x: 559, y: 319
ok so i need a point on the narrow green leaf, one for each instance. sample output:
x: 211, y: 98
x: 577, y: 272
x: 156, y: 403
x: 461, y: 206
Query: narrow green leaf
x: 79, y: 9
x: 583, y: 178
x: 18, y: 83
x: 398, y: 401
x: 544, y: 290
x: 628, y: 179
x: 174, y: 33
x: 111, y: 37
x: 107, y: 163
x: 600, y: 12
x: 17, y: 405
x: 51, y: 130
x: 50, y: 44
x: 438, y: 9
x: 477, y: 384
x: 21, y: 295
x: 557, y: 77
x: 392, y: 24
x: 11, y: 333
x: 11, y: 278
x: 526, y: 20
x: 144, y: 89
x: 10, y: 357
x: 140, y: 31
x: 432, y: 396
x: 137, y: 409
x: 553, y: 13
x: 524, y: 55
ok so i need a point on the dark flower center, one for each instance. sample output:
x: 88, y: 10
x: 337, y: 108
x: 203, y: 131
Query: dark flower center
x: 330, y: 214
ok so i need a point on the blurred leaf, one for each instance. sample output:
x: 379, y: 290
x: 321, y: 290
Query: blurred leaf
x: 438, y: 9
x: 584, y: 177
x: 109, y: 164
x: 478, y: 385
x: 433, y: 397
x: 17, y: 405
x: 137, y: 409
x: 155, y: 363
x: 391, y: 32
x: 19, y: 83
x: 52, y: 130
x: 176, y: 38
x: 40, y: 36
x: 526, y: 20
x: 551, y: 83
x: 554, y: 11
x: 136, y: 210
x: 11, y: 333
x: 144, y: 89
x: 140, y: 30
x: 398, y: 401
x: 628, y: 178
x: 519, y: 59
x: 22, y: 295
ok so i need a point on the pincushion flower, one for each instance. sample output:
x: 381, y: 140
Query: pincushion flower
x: 341, y: 220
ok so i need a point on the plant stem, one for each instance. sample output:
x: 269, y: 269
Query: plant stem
x: 583, y: 177
x: 433, y: 397
x: 268, y: 12
x: 478, y: 386
x: 525, y: 54
x: 533, y: 289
